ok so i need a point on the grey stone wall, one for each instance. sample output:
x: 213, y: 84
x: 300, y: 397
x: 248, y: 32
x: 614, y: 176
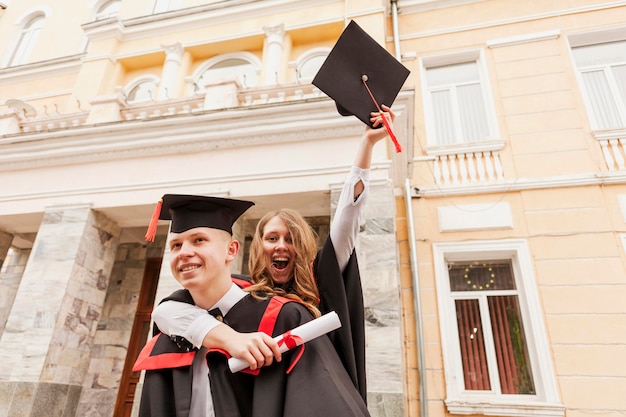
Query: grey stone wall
x: 45, y: 347
x: 102, y: 381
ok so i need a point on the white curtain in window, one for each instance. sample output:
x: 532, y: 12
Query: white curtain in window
x: 473, y: 113
x: 445, y: 128
x: 458, y: 103
x: 620, y: 79
x: 601, y: 99
x: 602, y: 68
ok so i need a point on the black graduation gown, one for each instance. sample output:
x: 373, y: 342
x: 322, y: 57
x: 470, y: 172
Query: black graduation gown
x: 343, y: 294
x: 317, y: 385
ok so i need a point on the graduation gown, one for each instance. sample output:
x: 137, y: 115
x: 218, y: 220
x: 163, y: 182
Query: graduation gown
x: 317, y: 385
x: 343, y: 294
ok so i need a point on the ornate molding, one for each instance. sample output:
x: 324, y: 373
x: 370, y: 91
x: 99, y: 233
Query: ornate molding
x: 43, y: 69
x: 176, y: 135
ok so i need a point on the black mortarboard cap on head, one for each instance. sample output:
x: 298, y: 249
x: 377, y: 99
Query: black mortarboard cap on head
x: 360, y: 75
x: 189, y: 211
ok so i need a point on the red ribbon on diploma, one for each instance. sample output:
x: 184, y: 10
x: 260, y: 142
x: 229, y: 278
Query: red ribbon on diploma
x: 292, y: 341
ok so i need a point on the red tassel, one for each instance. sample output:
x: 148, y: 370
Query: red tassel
x: 385, y: 122
x: 154, y: 222
x: 391, y: 135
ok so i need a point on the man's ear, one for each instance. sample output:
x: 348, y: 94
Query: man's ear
x: 233, y: 249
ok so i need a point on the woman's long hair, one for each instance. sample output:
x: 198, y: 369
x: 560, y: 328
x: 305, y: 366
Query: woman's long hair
x: 301, y: 286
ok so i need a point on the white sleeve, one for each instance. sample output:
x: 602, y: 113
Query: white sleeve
x: 186, y: 320
x: 345, y: 225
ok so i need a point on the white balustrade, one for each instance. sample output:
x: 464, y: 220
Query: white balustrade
x: 469, y: 166
x: 612, y: 145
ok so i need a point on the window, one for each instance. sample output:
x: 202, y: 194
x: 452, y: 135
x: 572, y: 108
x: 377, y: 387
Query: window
x: 242, y: 67
x: 490, y: 330
x: 161, y: 6
x: 308, y: 65
x: 496, y: 356
x: 456, y: 101
x: 602, y: 71
x: 26, y: 40
x: 144, y: 90
x: 108, y: 9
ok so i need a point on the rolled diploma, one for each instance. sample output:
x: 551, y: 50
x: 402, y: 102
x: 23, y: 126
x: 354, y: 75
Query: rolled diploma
x: 307, y: 332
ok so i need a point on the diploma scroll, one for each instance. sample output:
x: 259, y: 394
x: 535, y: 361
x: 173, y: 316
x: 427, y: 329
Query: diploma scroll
x: 306, y: 332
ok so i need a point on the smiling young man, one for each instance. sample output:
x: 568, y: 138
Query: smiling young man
x: 196, y: 383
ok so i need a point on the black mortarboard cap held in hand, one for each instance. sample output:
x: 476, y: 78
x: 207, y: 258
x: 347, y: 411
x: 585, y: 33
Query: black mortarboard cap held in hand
x: 190, y: 211
x: 360, y: 75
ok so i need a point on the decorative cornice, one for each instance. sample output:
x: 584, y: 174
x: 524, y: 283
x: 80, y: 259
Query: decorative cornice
x: 43, y: 69
x: 520, y: 184
x: 501, y: 22
x: 216, y: 13
x: 111, y: 27
x: 416, y: 6
x: 175, y: 135
x: 212, y: 183
x: 526, y: 38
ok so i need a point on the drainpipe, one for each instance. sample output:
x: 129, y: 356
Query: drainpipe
x: 419, y: 334
x: 421, y: 361
x: 394, y: 26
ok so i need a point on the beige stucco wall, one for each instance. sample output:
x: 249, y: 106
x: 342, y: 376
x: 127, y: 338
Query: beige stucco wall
x: 573, y: 230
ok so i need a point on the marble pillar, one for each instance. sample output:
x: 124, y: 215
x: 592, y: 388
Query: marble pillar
x: 274, y: 40
x: 169, y: 74
x: 10, y: 275
x: 46, y: 345
x: 378, y: 263
x: 5, y: 244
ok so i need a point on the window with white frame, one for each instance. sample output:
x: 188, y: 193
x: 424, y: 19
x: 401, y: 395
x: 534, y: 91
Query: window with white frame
x: 242, y: 67
x: 602, y: 71
x: 27, y: 38
x: 161, y: 6
x: 457, y: 100
x: 309, y: 64
x: 495, y: 350
x: 142, y: 90
x: 108, y: 9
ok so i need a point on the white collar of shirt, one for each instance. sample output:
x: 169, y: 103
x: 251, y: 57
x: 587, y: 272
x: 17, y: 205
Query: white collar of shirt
x: 232, y: 297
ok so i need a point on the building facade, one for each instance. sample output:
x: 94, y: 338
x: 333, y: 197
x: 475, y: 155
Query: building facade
x: 492, y: 247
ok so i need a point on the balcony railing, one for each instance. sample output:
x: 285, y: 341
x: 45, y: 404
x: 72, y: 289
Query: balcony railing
x: 477, y: 164
x: 612, y: 145
x: 240, y: 98
x: 118, y: 109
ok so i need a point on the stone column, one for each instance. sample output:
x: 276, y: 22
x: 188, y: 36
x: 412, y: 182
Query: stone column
x: 274, y: 39
x: 5, y: 245
x: 46, y: 346
x: 9, y: 277
x: 380, y: 275
x: 169, y: 74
